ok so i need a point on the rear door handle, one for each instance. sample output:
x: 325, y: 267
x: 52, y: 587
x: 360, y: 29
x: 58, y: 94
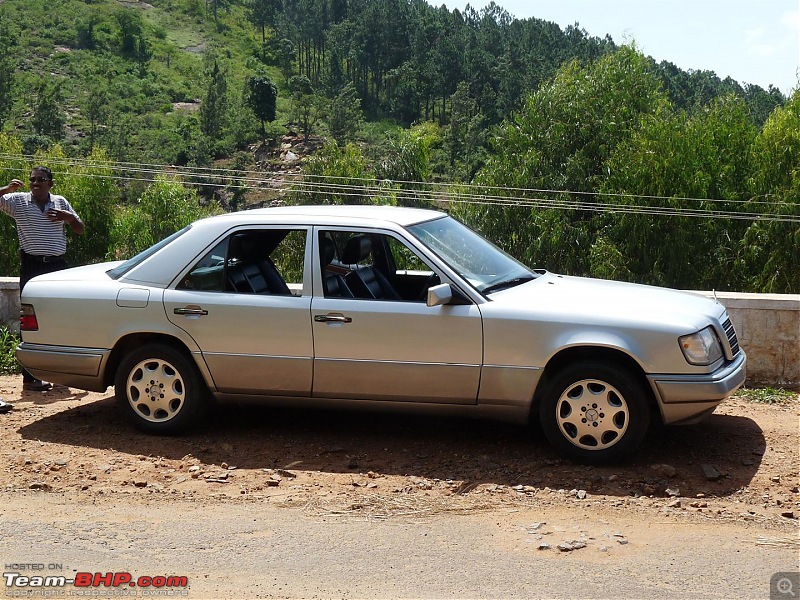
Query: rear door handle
x: 332, y: 318
x: 191, y: 310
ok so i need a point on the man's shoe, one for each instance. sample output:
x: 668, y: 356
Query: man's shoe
x: 5, y: 407
x: 37, y: 386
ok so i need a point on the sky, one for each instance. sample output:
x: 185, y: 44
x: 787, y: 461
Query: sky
x: 752, y: 41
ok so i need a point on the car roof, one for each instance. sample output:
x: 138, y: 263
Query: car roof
x: 338, y: 214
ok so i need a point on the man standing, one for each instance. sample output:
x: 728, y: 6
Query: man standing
x: 40, y: 218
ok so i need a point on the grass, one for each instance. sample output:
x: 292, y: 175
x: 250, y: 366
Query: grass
x: 8, y: 348
x: 767, y: 395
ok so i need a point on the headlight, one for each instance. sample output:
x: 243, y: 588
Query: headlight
x: 701, y: 348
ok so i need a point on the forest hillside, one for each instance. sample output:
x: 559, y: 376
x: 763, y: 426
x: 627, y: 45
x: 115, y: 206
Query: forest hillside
x: 571, y: 152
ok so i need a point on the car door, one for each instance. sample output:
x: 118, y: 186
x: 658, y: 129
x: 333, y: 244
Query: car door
x: 388, y: 348
x: 246, y: 304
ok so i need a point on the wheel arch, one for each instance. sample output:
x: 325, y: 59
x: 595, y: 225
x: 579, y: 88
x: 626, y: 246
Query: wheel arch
x: 576, y: 354
x: 126, y: 343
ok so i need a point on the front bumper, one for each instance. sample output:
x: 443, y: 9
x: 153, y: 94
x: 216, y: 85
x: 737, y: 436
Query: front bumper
x: 691, y: 398
x: 73, y: 367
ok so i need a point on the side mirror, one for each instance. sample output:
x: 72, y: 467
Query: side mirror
x: 439, y: 295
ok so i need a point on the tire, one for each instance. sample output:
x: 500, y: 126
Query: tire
x: 160, y: 390
x: 594, y: 412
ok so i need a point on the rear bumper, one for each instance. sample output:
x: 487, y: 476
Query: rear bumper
x: 74, y: 367
x: 690, y: 398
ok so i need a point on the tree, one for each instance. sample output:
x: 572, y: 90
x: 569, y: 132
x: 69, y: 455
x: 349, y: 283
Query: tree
x: 681, y: 161
x: 95, y: 107
x: 337, y: 168
x: 213, y: 110
x: 465, y: 134
x: 770, y: 250
x: 345, y: 115
x: 130, y: 31
x: 304, y: 103
x: 560, y: 141
x: 261, y: 96
x: 262, y: 13
x: 216, y: 5
x: 7, y: 70
x: 48, y: 118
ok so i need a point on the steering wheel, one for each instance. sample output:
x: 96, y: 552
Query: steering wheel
x: 430, y: 281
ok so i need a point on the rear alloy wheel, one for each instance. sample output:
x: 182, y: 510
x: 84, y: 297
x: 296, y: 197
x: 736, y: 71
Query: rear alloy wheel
x: 160, y: 389
x: 594, y: 412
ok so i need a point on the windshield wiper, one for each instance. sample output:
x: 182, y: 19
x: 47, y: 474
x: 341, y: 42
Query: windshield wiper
x: 507, y: 283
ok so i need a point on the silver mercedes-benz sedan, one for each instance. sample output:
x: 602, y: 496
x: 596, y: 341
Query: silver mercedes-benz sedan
x: 370, y: 306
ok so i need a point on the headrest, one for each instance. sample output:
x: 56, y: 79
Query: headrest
x: 328, y: 251
x: 357, y: 249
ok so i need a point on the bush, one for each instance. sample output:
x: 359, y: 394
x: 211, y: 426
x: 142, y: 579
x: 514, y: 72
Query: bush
x: 8, y: 352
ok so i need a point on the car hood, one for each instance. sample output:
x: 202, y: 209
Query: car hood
x: 580, y: 299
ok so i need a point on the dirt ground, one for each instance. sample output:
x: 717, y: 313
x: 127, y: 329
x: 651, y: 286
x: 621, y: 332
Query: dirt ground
x: 740, y: 465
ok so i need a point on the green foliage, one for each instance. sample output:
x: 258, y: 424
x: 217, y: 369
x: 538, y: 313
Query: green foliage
x: 561, y: 141
x: 768, y: 395
x: 48, y: 118
x: 90, y: 188
x: 7, y: 68
x: 164, y: 207
x: 770, y: 251
x: 214, y: 108
x: 345, y: 115
x: 513, y: 104
x: 682, y: 157
x: 337, y: 168
x: 407, y: 165
x: 8, y: 349
x: 261, y: 96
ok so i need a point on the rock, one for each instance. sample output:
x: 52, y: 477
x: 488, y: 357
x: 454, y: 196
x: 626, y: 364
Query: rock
x: 543, y: 546
x: 788, y: 514
x: 40, y: 486
x: 581, y: 494
x: 140, y: 484
x: 675, y: 504
x: 710, y: 472
x: 673, y: 492
x: 664, y: 470
x: 566, y: 547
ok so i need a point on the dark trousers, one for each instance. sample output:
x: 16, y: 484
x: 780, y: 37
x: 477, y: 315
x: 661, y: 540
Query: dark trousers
x: 30, y: 267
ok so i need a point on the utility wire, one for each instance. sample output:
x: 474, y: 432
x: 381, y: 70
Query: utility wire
x: 434, y: 193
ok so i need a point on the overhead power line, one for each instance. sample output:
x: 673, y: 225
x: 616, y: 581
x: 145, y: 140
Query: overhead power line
x: 435, y: 193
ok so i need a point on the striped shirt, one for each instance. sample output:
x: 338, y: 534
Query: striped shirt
x: 37, y: 234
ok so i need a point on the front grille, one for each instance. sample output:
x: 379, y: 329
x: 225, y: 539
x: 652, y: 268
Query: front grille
x: 730, y: 333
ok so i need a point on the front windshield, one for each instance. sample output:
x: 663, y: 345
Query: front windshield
x: 477, y: 260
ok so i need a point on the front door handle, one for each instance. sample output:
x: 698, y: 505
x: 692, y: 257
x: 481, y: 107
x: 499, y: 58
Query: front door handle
x: 332, y: 318
x: 192, y: 309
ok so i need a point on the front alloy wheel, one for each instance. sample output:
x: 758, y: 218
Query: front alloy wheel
x: 594, y: 412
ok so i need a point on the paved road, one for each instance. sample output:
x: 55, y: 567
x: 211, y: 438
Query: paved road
x: 256, y: 550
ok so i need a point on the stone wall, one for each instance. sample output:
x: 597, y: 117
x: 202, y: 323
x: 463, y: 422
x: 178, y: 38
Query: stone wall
x: 768, y: 327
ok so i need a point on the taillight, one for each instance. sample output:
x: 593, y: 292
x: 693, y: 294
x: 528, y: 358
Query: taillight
x: 27, y: 318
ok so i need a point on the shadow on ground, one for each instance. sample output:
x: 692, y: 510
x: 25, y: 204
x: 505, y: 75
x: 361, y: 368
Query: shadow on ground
x: 475, y: 452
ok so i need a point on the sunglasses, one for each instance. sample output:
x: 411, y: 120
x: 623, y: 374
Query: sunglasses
x: 39, y: 179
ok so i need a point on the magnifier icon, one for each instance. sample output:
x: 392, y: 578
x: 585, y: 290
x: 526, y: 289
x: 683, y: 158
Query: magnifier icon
x: 785, y: 586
